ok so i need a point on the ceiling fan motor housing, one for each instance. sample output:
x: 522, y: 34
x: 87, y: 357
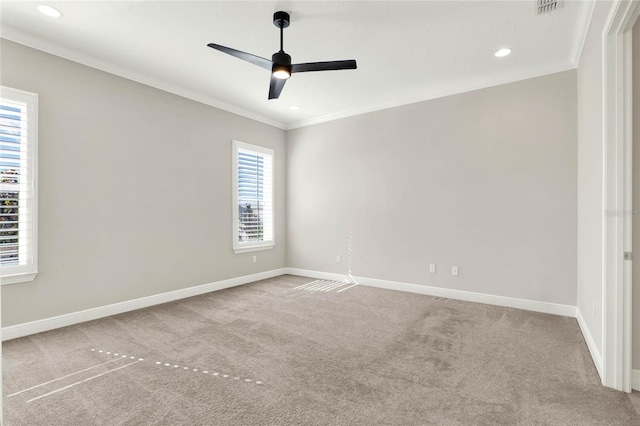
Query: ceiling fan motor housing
x: 280, y: 64
x: 281, y: 58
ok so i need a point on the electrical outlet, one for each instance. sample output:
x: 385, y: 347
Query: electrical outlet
x: 255, y: 259
x: 339, y: 259
x: 432, y: 268
x: 454, y: 271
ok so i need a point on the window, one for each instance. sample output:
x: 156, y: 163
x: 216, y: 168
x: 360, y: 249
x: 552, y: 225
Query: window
x: 18, y: 185
x: 252, y: 197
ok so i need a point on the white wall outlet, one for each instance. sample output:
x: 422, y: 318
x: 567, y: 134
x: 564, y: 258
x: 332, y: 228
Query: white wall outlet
x: 432, y: 268
x: 454, y: 271
x: 339, y: 259
x: 255, y: 259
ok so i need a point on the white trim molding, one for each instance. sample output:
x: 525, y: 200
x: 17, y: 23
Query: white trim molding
x: 20, y: 37
x: 18, y: 278
x: 617, y: 191
x: 441, y: 92
x: 26, y: 329
x: 635, y: 380
x: 26, y: 269
x: 596, y: 356
x: 266, y: 183
x: 17, y: 36
x: 318, y: 275
x: 488, y: 299
x: 582, y: 29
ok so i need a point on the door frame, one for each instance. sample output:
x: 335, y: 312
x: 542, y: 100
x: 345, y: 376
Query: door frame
x: 617, y: 194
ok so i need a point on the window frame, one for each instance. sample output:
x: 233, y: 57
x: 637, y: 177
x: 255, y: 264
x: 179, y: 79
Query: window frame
x: 239, y: 247
x: 25, y: 273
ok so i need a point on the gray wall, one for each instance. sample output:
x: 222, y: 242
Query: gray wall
x: 134, y: 189
x: 590, y: 175
x: 636, y: 194
x: 484, y: 180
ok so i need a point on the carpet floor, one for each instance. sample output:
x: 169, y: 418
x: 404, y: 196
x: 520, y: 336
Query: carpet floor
x: 270, y: 354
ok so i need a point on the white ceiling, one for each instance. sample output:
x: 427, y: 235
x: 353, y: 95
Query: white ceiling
x: 406, y: 51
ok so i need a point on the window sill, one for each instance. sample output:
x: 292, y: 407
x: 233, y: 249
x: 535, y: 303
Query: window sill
x: 18, y: 278
x: 238, y: 250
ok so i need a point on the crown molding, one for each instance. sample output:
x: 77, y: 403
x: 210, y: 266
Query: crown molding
x: 582, y: 29
x: 452, y: 89
x: 20, y: 37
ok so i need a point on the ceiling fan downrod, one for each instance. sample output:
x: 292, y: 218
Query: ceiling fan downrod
x: 282, y: 21
x: 280, y: 63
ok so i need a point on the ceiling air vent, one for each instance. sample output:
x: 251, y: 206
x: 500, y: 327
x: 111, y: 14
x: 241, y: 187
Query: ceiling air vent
x: 546, y: 6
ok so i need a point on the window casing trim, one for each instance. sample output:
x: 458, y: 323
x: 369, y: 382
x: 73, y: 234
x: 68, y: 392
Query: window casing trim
x: 246, y: 247
x: 25, y: 273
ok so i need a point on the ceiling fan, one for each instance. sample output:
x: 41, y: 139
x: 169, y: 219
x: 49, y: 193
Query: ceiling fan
x: 280, y: 64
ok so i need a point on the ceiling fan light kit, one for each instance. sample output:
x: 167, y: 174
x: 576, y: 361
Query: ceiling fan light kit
x: 280, y: 63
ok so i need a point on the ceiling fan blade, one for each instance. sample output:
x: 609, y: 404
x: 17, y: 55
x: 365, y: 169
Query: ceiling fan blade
x: 275, y: 87
x: 325, y: 66
x: 255, y: 60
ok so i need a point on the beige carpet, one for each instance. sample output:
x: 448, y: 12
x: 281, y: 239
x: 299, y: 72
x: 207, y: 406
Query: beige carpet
x: 635, y: 400
x: 362, y: 356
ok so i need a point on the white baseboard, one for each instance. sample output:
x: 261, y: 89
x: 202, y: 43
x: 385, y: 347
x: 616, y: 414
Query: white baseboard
x: 635, y: 380
x: 25, y: 329
x: 596, y: 356
x: 509, y: 302
x: 317, y: 274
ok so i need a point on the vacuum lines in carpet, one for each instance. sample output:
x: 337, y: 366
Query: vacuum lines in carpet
x: 364, y: 356
x: 119, y: 357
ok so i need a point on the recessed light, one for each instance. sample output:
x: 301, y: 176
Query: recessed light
x: 502, y: 52
x: 50, y: 11
x: 294, y: 107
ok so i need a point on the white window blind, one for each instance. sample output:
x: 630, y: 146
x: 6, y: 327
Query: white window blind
x: 18, y: 220
x: 253, y: 197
